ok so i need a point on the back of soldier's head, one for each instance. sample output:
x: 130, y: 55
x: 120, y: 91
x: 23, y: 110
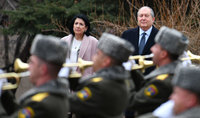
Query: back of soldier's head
x: 171, y: 40
x: 188, y: 77
x: 115, y: 47
x: 50, y: 49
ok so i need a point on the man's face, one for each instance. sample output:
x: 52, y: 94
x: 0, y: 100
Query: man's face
x: 98, y: 60
x: 156, y: 50
x: 180, y: 97
x: 145, y: 20
x: 34, y: 68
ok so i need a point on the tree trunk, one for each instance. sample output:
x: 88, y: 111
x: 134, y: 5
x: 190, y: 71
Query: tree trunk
x: 25, y: 54
x: 6, y: 43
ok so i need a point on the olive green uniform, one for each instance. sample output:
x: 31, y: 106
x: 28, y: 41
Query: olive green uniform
x: 47, y: 101
x: 103, y: 95
x: 156, y: 90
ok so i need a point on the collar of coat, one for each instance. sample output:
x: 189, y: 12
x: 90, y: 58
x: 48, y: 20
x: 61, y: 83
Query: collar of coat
x: 166, y: 69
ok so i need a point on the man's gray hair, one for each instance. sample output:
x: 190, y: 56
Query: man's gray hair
x: 152, y: 12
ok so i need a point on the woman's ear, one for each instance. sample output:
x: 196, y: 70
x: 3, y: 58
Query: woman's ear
x: 86, y: 27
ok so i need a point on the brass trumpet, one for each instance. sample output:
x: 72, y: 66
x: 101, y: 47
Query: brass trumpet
x: 19, y: 66
x: 191, y: 57
x: 142, y: 63
x: 17, y: 76
x: 82, y: 64
x: 146, y: 63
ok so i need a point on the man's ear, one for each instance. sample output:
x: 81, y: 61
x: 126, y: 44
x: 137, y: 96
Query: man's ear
x: 164, y: 54
x: 44, y: 69
x: 106, y: 62
x: 153, y: 19
x: 193, y: 100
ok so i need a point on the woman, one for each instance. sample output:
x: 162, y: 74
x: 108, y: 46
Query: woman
x: 81, y: 43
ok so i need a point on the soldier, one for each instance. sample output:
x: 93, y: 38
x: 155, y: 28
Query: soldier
x: 170, y: 44
x: 186, y: 94
x: 105, y: 93
x: 48, y: 99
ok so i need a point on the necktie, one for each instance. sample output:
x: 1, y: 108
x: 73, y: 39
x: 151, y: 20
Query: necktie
x: 142, y: 43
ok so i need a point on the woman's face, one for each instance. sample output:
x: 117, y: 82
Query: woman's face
x: 79, y: 27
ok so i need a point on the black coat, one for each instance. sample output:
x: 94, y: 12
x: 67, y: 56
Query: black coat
x: 132, y: 35
x: 103, y: 95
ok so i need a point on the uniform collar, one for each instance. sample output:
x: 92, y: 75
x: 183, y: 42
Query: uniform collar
x: 167, y: 69
x: 57, y: 86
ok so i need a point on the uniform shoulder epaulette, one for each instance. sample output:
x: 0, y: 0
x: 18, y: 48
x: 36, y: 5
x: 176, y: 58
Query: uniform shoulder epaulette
x: 39, y: 97
x: 162, y: 76
x: 97, y: 79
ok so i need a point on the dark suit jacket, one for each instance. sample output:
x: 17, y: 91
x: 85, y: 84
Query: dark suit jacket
x: 132, y: 35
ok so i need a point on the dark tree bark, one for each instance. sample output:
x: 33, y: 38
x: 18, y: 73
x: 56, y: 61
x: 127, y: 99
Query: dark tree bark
x: 6, y: 43
x: 25, y: 54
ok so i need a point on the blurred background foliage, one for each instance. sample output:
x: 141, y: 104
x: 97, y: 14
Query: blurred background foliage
x: 26, y: 18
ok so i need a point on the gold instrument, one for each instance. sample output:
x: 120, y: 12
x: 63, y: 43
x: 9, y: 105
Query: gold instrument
x: 19, y: 66
x: 82, y: 64
x: 14, y: 75
x: 191, y: 57
x: 142, y: 63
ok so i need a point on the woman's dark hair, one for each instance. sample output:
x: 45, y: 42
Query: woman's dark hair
x: 85, y: 19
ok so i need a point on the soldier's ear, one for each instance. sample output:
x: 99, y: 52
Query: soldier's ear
x: 107, y: 61
x: 164, y: 54
x: 44, y: 69
x: 192, y: 100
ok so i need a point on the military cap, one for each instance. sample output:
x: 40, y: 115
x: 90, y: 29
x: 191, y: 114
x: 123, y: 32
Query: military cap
x: 187, y: 77
x: 115, y: 47
x: 171, y: 40
x: 50, y: 49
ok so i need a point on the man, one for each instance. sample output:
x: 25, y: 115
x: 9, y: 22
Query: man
x: 170, y: 44
x: 105, y: 94
x: 145, y: 17
x: 186, y: 94
x: 48, y: 99
x: 142, y: 37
